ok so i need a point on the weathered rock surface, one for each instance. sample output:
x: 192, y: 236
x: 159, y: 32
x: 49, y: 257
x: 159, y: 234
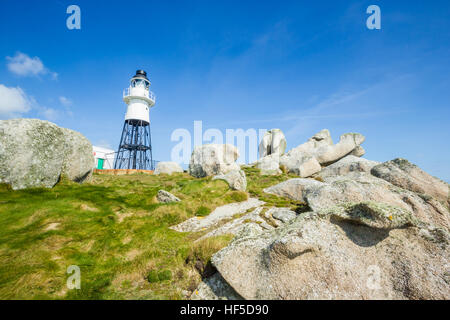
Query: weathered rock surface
x: 236, y: 179
x: 295, y: 189
x: 269, y: 165
x: 37, y: 153
x: 301, y: 160
x: 167, y: 167
x: 321, y: 148
x: 166, y: 197
x: 358, y: 151
x: 404, y: 174
x: 375, y: 231
x: 306, y: 159
x: 273, y: 142
x: 213, y: 159
x: 347, y: 143
x: 215, y: 288
x: 237, y: 226
x: 254, y: 222
x: 220, y: 213
x: 360, y: 186
x: 282, y: 214
x: 303, y: 165
x: 346, y: 165
x: 321, y: 139
x: 352, y: 251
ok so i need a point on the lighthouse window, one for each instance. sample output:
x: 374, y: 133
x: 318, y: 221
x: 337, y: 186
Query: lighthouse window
x: 139, y: 83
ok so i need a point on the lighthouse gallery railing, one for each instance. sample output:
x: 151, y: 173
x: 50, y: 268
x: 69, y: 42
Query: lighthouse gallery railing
x: 148, y: 94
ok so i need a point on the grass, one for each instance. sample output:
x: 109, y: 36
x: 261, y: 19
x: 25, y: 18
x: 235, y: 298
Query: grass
x: 114, y: 229
x: 256, y: 183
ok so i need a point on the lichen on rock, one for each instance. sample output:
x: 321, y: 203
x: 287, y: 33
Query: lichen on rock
x: 37, y: 153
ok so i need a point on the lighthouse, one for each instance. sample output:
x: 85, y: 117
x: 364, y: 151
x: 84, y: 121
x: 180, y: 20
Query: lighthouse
x: 135, y: 147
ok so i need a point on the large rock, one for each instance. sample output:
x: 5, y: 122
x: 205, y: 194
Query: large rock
x: 322, y: 139
x: 164, y: 196
x: 347, y: 143
x: 236, y: 179
x: 241, y: 224
x: 358, y: 151
x: 309, y: 157
x: 360, y: 186
x: 168, y: 167
x: 214, y: 288
x: 213, y: 159
x: 269, y: 165
x: 347, y: 165
x: 254, y: 222
x: 36, y: 153
x: 303, y: 165
x: 404, y: 174
x: 273, y: 142
x: 282, y: 214
x: 295, y: 189
x: 353, y: 251
x: 220, y: 214
x: 321, y: 148
x: 78, y: 156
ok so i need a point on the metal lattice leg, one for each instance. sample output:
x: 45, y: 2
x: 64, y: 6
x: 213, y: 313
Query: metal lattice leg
x: 135, y: 150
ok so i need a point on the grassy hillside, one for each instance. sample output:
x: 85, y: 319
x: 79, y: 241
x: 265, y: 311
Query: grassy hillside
x: 116, y: 232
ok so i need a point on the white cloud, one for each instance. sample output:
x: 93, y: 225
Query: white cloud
x: 13, y: 102
x: 65, y: 101
x: 104, y: 144
x: 22, y: 65
x: 49, y: 113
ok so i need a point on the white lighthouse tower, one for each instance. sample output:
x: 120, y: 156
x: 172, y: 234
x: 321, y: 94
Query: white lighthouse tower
x: 135, y: 147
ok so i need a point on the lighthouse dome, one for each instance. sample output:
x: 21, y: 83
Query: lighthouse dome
x: 141, y: 73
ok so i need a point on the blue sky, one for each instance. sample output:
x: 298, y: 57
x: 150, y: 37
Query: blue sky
x: 296, y: 65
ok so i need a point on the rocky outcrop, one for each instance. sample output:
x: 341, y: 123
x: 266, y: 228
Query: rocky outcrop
x: 309, y: 157
x: 347, y: 165
x: 363, y: 250
x: 273, y: 142
x: 404, y: 174
x: 164, y: 196
x: 303, y: 165
x: 373, y: 231
x: 236, y: 179
x: 295, y: 189
x: 283, y: 215
x: 360, y: 186
x: 321, y: 139
x: 240, y: 225
x: 346, y: 145
x: 213, y: 159
x: 269, y: 165
x: 36, y: 153
x: 301, y: 160
x: 219, y: 214
x: 167, y: 167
